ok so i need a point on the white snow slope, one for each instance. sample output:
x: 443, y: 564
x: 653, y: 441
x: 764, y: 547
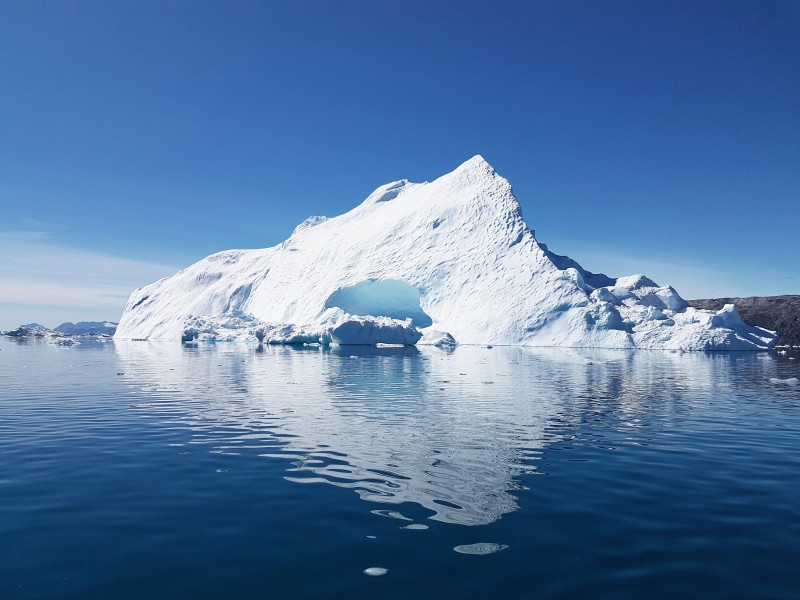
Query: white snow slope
x: 413, y: 263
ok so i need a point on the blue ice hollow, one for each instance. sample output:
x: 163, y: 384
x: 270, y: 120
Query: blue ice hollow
x: 381, y: 298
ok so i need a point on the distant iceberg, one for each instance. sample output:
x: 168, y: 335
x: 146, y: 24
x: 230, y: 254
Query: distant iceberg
x: 445, y: 262
x: 66, y: 334
x: 88, y: 328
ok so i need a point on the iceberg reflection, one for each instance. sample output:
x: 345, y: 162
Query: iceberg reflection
x: 450, y: 431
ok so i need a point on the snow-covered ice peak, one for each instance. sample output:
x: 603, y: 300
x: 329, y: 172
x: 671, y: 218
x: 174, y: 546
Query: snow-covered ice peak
x: 475, y: 166
x: 450, y: 259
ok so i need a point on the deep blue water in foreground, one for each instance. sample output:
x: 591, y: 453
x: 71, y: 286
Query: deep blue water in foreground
x: 146, y: 470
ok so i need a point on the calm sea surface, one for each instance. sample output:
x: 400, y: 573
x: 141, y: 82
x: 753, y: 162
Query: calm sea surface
x: 154, y: 470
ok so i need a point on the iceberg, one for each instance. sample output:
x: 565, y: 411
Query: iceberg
x: 66, y: 334
x: 88, y: 328
x: 442, y: 262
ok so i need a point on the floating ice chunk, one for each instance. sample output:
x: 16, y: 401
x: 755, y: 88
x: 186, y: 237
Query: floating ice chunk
x: 374, y: 330
x: 375, y: 571
x: 418, y: 526
x: 789, y: 381
x: 440, y: 339
x: 480, y: 548
x: 392, y: 514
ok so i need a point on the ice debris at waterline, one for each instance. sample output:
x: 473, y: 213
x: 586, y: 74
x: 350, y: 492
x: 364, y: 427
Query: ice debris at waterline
x: 424, y: 263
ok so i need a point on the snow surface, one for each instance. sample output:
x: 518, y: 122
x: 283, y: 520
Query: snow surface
x: 452, y: 259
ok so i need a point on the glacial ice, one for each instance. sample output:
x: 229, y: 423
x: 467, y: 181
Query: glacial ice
x: 446, y: 262
x: 386, y: 297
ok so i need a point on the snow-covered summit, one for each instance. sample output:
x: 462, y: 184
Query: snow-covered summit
x: 416, y: 261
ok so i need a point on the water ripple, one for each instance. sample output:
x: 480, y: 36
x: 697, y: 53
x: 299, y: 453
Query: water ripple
x: 602, y: 474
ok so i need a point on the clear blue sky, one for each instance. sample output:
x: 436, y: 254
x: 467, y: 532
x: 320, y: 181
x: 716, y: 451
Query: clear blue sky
x: 137, y: 137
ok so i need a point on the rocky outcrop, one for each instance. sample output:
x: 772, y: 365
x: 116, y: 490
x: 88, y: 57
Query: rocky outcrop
x: 776, y: 313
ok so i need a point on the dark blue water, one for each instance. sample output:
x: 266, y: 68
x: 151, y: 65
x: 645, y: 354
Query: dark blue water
x: 143, y: 470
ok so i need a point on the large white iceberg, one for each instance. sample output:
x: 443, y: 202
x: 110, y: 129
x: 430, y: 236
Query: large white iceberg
x: 420, y: 263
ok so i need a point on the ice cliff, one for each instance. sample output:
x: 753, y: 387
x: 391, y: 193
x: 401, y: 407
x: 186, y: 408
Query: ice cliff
x: 441, y: 262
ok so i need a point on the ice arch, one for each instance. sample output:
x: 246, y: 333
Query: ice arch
x: 381, y: 298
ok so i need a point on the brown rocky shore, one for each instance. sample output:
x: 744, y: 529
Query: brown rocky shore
x: 778, y: 313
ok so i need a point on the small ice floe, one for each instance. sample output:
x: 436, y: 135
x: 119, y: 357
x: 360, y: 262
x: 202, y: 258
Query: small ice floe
x: 375, y: 571
x: 372, y: 537
x: 480, y: 548
x: 353, y: 357
x: 438, y: 339
x: 415, y: 526
x: 392, y: 514
x: 788, y: 381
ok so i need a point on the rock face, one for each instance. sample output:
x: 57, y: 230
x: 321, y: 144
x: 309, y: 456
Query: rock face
x: 777, y: 313
x: 453, y: 256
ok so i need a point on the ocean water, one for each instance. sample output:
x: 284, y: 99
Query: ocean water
x: 155, y: 470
